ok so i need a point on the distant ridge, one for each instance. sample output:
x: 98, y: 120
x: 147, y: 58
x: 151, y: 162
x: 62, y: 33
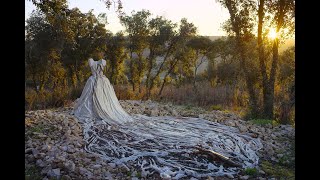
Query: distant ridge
x: 213, y: 38
x: 289, y: 42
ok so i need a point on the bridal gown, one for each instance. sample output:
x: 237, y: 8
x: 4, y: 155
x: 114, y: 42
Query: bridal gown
x: 166, y: 145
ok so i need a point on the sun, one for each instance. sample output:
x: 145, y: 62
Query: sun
x: 272, y: 34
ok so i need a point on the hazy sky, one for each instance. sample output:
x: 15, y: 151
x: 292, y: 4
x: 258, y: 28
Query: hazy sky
x: 207, y: 15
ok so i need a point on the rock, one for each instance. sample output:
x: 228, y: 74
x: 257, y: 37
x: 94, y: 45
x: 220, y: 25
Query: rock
x: 230, y: 123
x: 152, y: 112
x: 56, y: 172
x: 28, y: 151
x: 123, y: 167
x: 65, y: 177
x: 244, y: 177
x: 242, y: 128
x: 97, y: 166
x: 261, y: 172
x: 192, y: 178
x: 45, y: 170
x: 230, y: 176
x: 40, y: 163
x: 268, y: 126
x: 35, y: 151
x: 134, y: 178
x: 39, y: 155
x: 112, y: 165
x: 71, y: 149
x: 279, y: 155
x: 64, y: 148
x: 70, y: 166
x: 83, y: 171
x: 31, y: 158
x: 108, y: 175
x: 60, y: 165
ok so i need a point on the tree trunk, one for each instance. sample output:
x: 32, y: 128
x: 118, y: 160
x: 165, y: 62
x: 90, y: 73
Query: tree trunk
x: 167, y: 74
x: 163, y: 83
x: 263, y: 71
x: 269, y: 102
x: 34, y: 83
x: 148, y: 93
x: 133, y: 87
x: 269, y: 94
x: 112, y: 73
x: 252, y: 96
x: 194, y: 78
x: 161, y: 65
x: 253, y: 102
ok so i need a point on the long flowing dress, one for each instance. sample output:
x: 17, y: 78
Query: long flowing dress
x: 166, y: 145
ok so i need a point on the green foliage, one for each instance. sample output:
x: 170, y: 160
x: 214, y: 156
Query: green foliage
x: 138, y: 175
x: 251, y: 171
x: 116, y: 56
x: 32, y: 173
x: 216, y: 107
x: 138, y: 31
x: 277, y: 171
x: 37, y: 128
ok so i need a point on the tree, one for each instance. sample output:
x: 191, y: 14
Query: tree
x: 38, y: 44
x: 203, y: 47
x: 88, y: 40
x: 137, y: 29
x: 283, y: 17
x: 116, y: 55
x: 161, y: 42
x: 161, y: 33
x: 240, y: 26
x: 186, y: 32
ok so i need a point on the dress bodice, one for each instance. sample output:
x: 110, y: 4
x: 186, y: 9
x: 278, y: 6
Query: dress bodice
x: 97, y: 67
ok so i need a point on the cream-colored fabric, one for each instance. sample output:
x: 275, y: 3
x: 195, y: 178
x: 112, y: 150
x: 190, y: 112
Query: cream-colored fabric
x: 156, y: 144
x: 98, y: 99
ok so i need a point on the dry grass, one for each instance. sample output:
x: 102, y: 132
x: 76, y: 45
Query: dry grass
x: 222, y: 97
x: 205, y: 95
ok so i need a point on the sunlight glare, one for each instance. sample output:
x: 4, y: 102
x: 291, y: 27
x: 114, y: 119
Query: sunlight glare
x: 272, y: 34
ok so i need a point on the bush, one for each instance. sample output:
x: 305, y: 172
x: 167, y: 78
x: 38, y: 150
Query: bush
x: 216, y: 107
x: 251, y: 171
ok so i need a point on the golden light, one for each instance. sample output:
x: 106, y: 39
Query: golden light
x: 272, y: 34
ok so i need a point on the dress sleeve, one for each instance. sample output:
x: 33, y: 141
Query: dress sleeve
x: 90, y: 61
x: 104, y: 62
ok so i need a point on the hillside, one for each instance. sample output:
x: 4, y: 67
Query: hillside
x: 289, y: 43
x: 55, y: 146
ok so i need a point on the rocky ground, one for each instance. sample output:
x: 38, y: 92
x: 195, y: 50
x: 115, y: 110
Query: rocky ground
x: 54, y: 144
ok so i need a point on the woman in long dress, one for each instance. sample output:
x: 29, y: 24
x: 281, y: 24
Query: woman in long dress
x: 167, y: 145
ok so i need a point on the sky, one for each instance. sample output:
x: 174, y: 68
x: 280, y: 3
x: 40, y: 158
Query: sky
x: 206, y: 15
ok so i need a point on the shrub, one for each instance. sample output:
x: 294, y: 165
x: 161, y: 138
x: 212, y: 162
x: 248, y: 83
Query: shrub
x: 216, y: 107
x: 251, y: 171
